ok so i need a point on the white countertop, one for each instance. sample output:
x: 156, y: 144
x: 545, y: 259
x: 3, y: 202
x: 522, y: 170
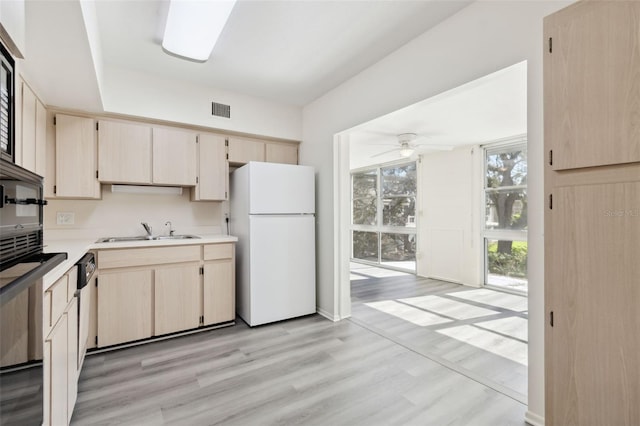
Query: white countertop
x: 76, y: 248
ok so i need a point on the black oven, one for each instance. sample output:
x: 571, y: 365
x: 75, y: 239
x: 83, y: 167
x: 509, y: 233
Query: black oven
x: 22, y: 266
x: 7, y: 105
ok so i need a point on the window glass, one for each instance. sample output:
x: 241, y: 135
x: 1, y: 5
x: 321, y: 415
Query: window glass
x: 365, y: 246
x: 506, y: 188
x: 365, y: 197
x: 398, y: 250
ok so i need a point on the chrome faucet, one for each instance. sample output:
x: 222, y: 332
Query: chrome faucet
x: 171, y: 230
x: 147, y: 228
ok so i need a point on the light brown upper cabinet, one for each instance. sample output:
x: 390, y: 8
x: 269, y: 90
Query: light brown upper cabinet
x: 76, y: 162
x: 282, y: 153
x: 593, y: 63
x: 34, y: 129
x: 124, y: 152
x: 592, y: 214
x: 243, y: 150
x: 213, y: 169
x: 174, y: 157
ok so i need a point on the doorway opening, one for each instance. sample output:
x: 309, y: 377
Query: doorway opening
x: 445, y: 308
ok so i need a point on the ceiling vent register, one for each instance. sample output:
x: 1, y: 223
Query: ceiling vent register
x: 220, y: 110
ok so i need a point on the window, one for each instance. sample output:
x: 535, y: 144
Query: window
x: 384, y: 216
x: 505, y: 212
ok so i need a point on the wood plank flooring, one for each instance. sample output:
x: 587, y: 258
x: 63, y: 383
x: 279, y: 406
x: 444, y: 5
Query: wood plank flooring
x: 480, y: 333
x: 306, y: 371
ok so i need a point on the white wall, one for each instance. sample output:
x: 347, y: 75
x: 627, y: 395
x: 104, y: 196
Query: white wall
x: 480, y: 39
x: 129, y: 92
x: 119, y: 214
x: 448, y: 237
x: 12, y: 19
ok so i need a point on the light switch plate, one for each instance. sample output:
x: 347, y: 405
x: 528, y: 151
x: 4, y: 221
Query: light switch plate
x: 65, y: 218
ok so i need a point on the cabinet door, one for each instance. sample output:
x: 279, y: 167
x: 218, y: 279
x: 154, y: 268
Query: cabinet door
x: 174, y: 157
x: 28, y: 128
x: 592, y: 287
x: 76, y: 153
x: 14, y: 330
x: 177, y: 298
x: 282, y: 153
x: 72, y: 355
x: 242, y: 150
x: 124, y: 306
x: 219, y: 292
x: 56, y: 377
x: 213, y: 169
x: 41, y: 138
x: 592, y: 100
x: 124, y: 152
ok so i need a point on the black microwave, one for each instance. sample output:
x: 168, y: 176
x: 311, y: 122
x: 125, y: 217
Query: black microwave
x: 7, y: 105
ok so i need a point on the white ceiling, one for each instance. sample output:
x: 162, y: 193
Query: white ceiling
x: 491, y: 108
x: 286, y: 51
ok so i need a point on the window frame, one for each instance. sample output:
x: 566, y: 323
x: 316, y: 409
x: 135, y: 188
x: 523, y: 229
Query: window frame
x: 513, y: 235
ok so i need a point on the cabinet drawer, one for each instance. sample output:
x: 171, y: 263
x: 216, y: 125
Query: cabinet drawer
x: 218, y: 251
x: 55, y: 299
x: 122, y: 258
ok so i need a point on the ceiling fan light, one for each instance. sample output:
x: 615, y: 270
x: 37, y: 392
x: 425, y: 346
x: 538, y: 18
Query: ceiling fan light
x: 193, y: 27
x: 406, y: 152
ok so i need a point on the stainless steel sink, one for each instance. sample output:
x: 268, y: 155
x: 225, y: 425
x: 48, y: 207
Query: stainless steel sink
x: 145, y: 238
x: 175, y: 237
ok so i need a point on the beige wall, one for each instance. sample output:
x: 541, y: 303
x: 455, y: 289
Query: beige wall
x: 120, y: 214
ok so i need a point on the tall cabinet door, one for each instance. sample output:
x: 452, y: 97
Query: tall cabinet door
x: 592, y: 215
x: 593, y: 84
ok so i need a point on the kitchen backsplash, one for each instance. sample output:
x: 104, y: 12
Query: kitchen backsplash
x: 120, y: 214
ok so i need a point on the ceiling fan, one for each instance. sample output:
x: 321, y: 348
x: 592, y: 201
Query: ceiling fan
x: 406, y: 146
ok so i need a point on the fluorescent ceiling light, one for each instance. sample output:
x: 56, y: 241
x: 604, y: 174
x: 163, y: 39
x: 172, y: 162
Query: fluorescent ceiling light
x: 193, y: 26
x: 139, y: 189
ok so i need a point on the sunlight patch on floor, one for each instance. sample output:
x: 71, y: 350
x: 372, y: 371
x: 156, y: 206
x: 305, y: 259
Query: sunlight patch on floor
x: 515, y: 327
x: 360, y: 271
x: 490, y: 342
x: 407, y: 313
x: 495, y: 298
x: 447, y: 307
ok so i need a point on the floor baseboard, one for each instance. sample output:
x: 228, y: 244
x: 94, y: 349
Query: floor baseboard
x: 533, y: 419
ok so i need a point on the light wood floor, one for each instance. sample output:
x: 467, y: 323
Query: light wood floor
x: 480, y: 333
x: 307, y: 371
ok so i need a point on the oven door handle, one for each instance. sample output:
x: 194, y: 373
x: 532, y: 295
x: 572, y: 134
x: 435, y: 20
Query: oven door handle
x: 25, y: 201
x: 16, y: 286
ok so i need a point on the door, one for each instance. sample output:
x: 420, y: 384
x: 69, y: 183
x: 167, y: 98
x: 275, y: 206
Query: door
x: 124, y: 307
x: 282, y: 267
x: 76, y: 153
x: 219, y: 292
x: 177, y: 298
x: 213, y: 168
x: 593, y: 291
x: 281, y: 189
x: 124, y: 152
x: 593, y: 63
x: 174, y: 157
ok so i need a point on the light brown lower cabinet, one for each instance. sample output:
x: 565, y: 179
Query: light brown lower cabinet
x: 177, y: 298
x: 124, y: 306
x: 60, y: 355
x: 153, y: 291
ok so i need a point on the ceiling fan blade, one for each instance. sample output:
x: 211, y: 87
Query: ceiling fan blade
x: 385, y: 152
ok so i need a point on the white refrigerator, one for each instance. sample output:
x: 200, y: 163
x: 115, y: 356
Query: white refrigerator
x: 272, y: 212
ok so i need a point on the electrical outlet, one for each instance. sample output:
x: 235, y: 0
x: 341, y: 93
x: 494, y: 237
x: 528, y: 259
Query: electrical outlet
x: 65, y: 218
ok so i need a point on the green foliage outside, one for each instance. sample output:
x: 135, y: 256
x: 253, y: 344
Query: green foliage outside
x: 512, y: 264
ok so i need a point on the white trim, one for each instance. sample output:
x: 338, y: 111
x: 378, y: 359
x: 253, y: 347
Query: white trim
x: 510, y: 140
x: 327, y: 315
x: 533, y: 419
x: 341, y: 227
